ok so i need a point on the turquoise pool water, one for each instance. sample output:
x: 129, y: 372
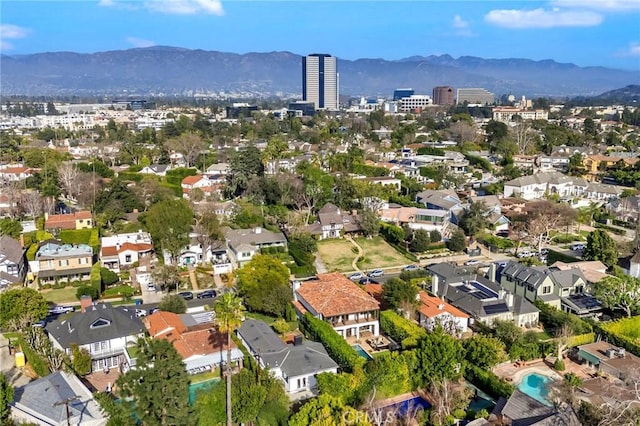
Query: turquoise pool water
x: 536, y: 386
x: 362, y: 352
x: 200, y: 386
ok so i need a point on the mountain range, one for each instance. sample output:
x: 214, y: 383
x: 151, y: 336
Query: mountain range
x: 173, y: 71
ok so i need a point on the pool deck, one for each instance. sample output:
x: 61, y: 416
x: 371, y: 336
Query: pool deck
x: 514, y: 372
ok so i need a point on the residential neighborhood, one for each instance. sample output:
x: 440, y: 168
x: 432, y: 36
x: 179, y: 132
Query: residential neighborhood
x: 361, y: 260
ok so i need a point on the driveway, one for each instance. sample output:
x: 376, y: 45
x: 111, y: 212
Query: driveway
x: 7, y: 365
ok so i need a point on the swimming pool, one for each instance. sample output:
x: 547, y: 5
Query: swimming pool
x: 200, y: 386
x: 536, y: 386
x: 409, y: 406
x: 362, y: 352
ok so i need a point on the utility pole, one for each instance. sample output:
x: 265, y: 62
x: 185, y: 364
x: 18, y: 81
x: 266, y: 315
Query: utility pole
x: 66, y: 402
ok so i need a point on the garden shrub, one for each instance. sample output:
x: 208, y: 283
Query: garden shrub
x: 76, y: 236
x: 37, y: 363
x: 553, y: 319
x: 400, y: 329
x: 488, y: 382
x: 559, y: 364
x: 280, y: 326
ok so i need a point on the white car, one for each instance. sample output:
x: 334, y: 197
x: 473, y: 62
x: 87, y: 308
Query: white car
x: 356, y: 276
x: 578, y: 247
x: 524, y: 254
x: 151, y: 287
x: 471, y: 262
x: 141, y: 313
x: 376, y: 273
x: 57, y: 310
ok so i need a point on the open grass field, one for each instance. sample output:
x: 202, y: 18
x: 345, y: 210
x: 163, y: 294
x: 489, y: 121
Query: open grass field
x: 336, y: 254
x: 61, y: 295
x: 379, y: 254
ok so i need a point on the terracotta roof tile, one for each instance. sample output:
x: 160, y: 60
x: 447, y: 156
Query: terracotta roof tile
x: 431, y: 307
x: 161, y: 323
x: 190, y: 180
x: 333, y: 294
x: 109, y: 251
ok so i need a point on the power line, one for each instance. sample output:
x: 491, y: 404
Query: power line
x: 66, y: 403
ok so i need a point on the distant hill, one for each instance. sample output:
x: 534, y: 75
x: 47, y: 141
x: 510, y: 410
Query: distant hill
x: 626, y: 95
x: 177, y: 71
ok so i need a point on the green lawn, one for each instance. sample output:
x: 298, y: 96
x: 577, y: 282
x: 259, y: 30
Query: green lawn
x: 379, y: 254
x: 203, y: 377
x: 336, y: 254
x: 61, y: 295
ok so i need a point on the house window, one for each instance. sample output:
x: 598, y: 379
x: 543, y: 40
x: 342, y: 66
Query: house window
x: 246, y: 254
x: 66, y: 262
x: 127, y: 258
x: 546, y: 289
x: 59, y: 262
x: 100, y: 322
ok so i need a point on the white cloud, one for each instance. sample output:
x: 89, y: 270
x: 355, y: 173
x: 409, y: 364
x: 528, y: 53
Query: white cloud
x: 11, y: 32
x: 459, y: 23
x: 602, y: 5
x: 106, y: 3
x: 541, y: 18
x: 185, y: 7
x: 140, y: 42
x: 634, y: 49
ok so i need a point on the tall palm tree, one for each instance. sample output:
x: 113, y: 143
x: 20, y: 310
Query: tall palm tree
x: 229, y: 315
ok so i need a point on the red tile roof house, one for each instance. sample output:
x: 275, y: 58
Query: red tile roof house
x: 78, y: 220
x: 340, y: 302
x: 201, y: 182
x: 201, y: 346
x: 434, y: 311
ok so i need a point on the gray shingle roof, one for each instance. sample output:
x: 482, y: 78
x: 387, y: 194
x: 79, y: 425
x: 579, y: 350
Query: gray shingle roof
x: 524, y: 410
x: 77, y: 328
x: 254, y: 237
x: 41, y: 399
x: 11, y: 249
x: 294, y: 360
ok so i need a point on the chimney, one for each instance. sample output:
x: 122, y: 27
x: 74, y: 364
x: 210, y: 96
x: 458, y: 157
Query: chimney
x: 85, y: 302
x: 435, y: 280
x: 491, y: 273
x: 509, y: 300
x: 135, y: 210
x: 46, y: 216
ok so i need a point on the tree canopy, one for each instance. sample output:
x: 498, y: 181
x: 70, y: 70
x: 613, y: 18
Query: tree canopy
x: 20, y: 307
x: 173, y: 303
x: 326, y: 410
x: 169, y: 222
x: 621, y: 291
x: 264, y: 284
x: 157, y: 390
x: 600, y: 246
x: 400, y: 294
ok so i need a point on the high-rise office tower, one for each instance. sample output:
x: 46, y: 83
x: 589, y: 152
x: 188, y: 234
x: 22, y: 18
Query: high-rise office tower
x: 320, y: 81
x: 443, y: 95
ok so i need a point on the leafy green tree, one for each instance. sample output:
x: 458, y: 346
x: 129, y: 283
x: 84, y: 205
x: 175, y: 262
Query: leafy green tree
x: 326, y: 410
x: 229, y: 315
x: 600, y: 246
x: 435, y: 236
x: 400, y: 294
x: 457, y: 242
x: 169, y: 223
x: 484, y: 351
x: 244, y: 165
x: 108, y: 277
x: 369, y: 222
x: 507, y: 332
x: 173, y: 303
x: 80, y: 360
x: 10, y: 227
x: 157, y: 390
x: 420, y: 241
x: 390, y: 375
x: 621, y: 291
x: 474, y: 219
x: 264, y: 284
x: 440, y: 356
x: 21, y: 306
x: 6, y: 398
x: 166, y: 277
x: 88, y: 290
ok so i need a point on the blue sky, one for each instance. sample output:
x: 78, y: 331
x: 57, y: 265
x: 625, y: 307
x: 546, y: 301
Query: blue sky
x: 585, y: 32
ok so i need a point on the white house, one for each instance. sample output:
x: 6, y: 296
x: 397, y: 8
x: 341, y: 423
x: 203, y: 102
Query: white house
x: 103, y: 330
x: 13, y: 264
x: 295, y: 365
x: 245, y: 243
x: 434, y: 311
x: 156, y: 169
x: 123, y: 250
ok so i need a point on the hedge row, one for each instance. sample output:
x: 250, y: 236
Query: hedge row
x: 400, y: 329
x: 553, y: 319
x: 616, y: 231
x: 624, y: 224
x: 94, y: 277
x: 581, y: 339
x: 338, y: 348
x: 488, y: 382
x: 608, y: 330
x: 36, y: 362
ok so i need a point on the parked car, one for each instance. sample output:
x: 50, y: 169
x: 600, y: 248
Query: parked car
x: 151, y: 287
x: 40, y: 324
x: 141, y: 313
x: 186, y: 295
x: 57, y: 310
x: 368, y: 280
x: 503, y: 233
x: 411, y: 268
x: 376, y: 273
x: 471, y: 262
x: 356, y: 276
x: 153, y: 310
x: 207, y: 294
x: 525, y: 253
x: 578, y: 247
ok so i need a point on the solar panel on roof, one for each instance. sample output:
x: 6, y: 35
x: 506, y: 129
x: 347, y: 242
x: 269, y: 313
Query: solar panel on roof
x: 496, y: 309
